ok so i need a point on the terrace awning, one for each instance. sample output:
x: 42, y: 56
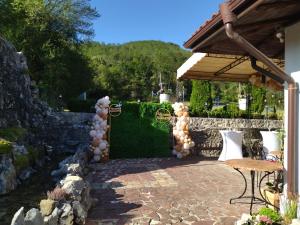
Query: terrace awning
x: 219, y: 67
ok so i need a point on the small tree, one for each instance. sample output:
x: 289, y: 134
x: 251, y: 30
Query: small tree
x: 258, y: 99
x: 201, y: 100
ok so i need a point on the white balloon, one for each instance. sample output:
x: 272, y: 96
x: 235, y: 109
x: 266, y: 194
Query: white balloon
x: 186, y: 146
x: 99, y: 135
x: 97, y: 151
x: 92, y: 133
x: 97, y: 127
x: 96, y: 117
x: 97, y: 158
x: 179, y: 155
x: 103, y: 123
x: 192, y: 144
x: 102, y: 146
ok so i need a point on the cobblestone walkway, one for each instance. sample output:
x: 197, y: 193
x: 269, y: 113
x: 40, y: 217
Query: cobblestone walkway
x: 165, y: 191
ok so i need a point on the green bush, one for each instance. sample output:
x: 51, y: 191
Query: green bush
x: 201, y: 100
x: 272, y: 116
x: 258, y: 100
x: 233, y: 110
x: 21, y: 162
x: 76, y: 105
x: 13, y: 133
x: 219, y: 113
x: 5, y: 147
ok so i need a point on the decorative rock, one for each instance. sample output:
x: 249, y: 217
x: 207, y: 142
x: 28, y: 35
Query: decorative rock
x: 18, y: 218
x: 67, y: 216
x: 53, y: 218
x: 79, y: 213
x: 47, y: 206
x: 8, y: 180
x: 73, y: 185
x: 74, y: 169
x: 34, y: 217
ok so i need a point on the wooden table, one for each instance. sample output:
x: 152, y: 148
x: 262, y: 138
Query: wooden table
x: 253, y: 166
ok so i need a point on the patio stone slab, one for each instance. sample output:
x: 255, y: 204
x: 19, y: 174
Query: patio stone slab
x: 165, y: 191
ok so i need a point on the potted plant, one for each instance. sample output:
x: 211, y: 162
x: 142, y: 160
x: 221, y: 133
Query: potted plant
x: 271, y: 191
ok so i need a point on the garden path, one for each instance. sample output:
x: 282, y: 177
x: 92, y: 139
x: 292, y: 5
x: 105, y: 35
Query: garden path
x: 165, y: 191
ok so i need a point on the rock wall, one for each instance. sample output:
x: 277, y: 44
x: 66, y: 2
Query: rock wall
x: 205, y: 132
x: 20, y: 106
x: 49, y: 131
x: 69, y: 132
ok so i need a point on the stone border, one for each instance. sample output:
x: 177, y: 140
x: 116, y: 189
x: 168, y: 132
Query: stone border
x: 68, y: 203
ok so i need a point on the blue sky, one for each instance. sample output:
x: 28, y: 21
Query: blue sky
x: 174, y: 21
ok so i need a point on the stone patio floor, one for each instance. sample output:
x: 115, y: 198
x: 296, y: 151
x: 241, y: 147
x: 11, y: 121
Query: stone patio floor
x: 165, y: 191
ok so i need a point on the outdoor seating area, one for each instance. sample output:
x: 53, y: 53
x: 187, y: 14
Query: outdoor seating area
x: 166, y: 191
x: 121, y: 122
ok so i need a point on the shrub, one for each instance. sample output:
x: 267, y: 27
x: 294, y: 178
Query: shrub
x: 201, y: 100
x: 257, y: 116
x: 13, y: 133
x: 272, y: 116
x: 233, y: 110
x: 5, y: 147
x: 219, y: 113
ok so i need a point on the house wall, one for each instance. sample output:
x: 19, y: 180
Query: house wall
x: 292, y: 67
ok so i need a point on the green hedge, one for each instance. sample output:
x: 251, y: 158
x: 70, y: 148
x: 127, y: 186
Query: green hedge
x: 137, y: 134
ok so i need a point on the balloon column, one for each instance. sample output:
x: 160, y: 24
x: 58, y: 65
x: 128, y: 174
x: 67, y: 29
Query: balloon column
x: 100, y: 145
x: 183, y: 141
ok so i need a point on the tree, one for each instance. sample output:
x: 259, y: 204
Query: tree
x: 258, y: 99
x: 48, y: 33
x: 201, y: 100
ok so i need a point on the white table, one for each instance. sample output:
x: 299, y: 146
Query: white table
x: 271, y: 141
x: 232, y: 145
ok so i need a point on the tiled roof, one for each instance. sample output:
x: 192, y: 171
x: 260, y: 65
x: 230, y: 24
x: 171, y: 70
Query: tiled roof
x: 215, y: 18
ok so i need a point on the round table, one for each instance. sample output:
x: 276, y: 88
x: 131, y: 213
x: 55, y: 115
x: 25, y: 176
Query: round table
x: 253, y: 166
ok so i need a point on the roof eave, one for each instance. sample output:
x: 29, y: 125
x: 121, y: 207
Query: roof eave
x: 214, y: 23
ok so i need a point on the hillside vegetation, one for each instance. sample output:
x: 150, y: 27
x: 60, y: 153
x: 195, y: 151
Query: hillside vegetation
x: 131, y: 71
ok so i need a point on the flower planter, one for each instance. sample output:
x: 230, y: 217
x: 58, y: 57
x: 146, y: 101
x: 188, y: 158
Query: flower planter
x: 271, y: 196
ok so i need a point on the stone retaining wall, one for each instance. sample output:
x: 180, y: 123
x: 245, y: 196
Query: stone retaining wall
x: 70, y: 131
x: 205, y: 132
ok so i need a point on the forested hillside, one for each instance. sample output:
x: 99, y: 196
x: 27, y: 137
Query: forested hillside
x: 131, y: 71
